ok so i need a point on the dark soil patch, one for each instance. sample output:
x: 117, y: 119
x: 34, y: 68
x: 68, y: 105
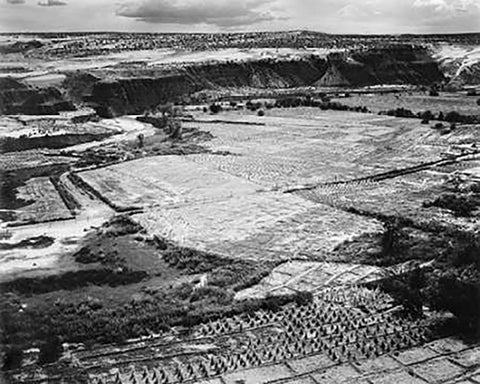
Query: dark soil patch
x: 135, y: 286
x: 33, y: 242
x: 11, y: 180
x: 12, y: 144
x: 121, y: 244
x: 72, y: 280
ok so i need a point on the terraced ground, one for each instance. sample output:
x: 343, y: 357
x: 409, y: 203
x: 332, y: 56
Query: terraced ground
x: 284, y: 188
x: 291, y: 187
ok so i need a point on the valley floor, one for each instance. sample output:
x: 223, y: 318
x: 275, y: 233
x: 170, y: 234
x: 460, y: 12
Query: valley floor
x: 309, y: 192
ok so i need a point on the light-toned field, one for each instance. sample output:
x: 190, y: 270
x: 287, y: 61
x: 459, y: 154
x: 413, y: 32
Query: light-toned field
x: 45, y: 202
x: 235, y: 204
x: 67, y: 234
x: 307, y: 145
x: 27, y: 127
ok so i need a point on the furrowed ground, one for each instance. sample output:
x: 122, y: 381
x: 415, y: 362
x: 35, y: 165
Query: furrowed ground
x: 298, y: 247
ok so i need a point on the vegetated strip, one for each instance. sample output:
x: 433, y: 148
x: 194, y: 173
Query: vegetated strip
x: 65, y: 195
x: 79, y: 182
x: 34, y: 221
x: 219, y: 121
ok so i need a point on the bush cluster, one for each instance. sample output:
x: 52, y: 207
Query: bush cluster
x: 426, y: 116
x: 324, y: 104
x: 460, y: 204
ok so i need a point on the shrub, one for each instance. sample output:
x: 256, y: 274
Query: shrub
x: 50, y: 351
x: 390, y: 237
x: 460, y: 205
x: 303, y: 298
x: 13, y: 358
x: 472, y: 92
x: 433, y: 93
x: 253, y: 106
x: 427, y: 115
x: 407, y: 290
x: 400, y: 112
x: 459, y: 297
x: 261, y: 112
x: 453, y: 116
x: 215, y: 108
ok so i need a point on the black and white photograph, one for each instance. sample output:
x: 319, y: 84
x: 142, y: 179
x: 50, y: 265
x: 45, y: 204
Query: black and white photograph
x: 240, y: 192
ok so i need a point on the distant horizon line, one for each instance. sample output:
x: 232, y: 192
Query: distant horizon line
x: 238, y: 32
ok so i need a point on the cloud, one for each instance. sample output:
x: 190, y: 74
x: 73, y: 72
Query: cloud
x: 216, y: 12
x: 448, y: 6
x: 16, y: 1
x: 51, y: 3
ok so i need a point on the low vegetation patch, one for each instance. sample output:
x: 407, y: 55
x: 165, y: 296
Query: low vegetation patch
x: 32, y: 242
x: 460, y: 204
x: 445, y: 274
x: 169, y: 286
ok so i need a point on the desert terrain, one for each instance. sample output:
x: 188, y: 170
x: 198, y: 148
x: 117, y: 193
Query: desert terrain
x: 288, y: 207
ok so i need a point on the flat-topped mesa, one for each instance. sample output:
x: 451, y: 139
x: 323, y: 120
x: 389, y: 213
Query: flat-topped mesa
x: 397, y: 64
x: 130, y: 89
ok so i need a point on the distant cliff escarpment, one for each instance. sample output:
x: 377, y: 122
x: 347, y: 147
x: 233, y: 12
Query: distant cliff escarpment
x: 392, y: 65
x: 135, y: 94
x: 132, y: 88
x: 376, y: 66
x: 18, y: 98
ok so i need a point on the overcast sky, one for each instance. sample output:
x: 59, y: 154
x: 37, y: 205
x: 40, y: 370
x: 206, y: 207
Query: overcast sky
x: 332, y: 16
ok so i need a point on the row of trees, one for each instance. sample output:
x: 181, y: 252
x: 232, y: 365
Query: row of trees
x: 426, y: 116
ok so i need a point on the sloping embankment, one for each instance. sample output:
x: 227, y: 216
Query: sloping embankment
x: 389, y: 65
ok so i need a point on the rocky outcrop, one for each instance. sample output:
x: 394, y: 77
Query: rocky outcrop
x: 135, y: 95
x: 466, y: 75
x: 401, y: 64
x: 18, y: 98
x: 79, y: 85
x: 20, y: 46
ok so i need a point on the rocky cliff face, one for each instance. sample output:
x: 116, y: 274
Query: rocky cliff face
x: 389, y: 65
x: 135, y: 95
x: 132, y: 90
x: 18, y: 98
x: 459, y: 63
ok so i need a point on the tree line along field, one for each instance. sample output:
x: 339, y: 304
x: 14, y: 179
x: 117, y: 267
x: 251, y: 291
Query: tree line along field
x: 417, y: 102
